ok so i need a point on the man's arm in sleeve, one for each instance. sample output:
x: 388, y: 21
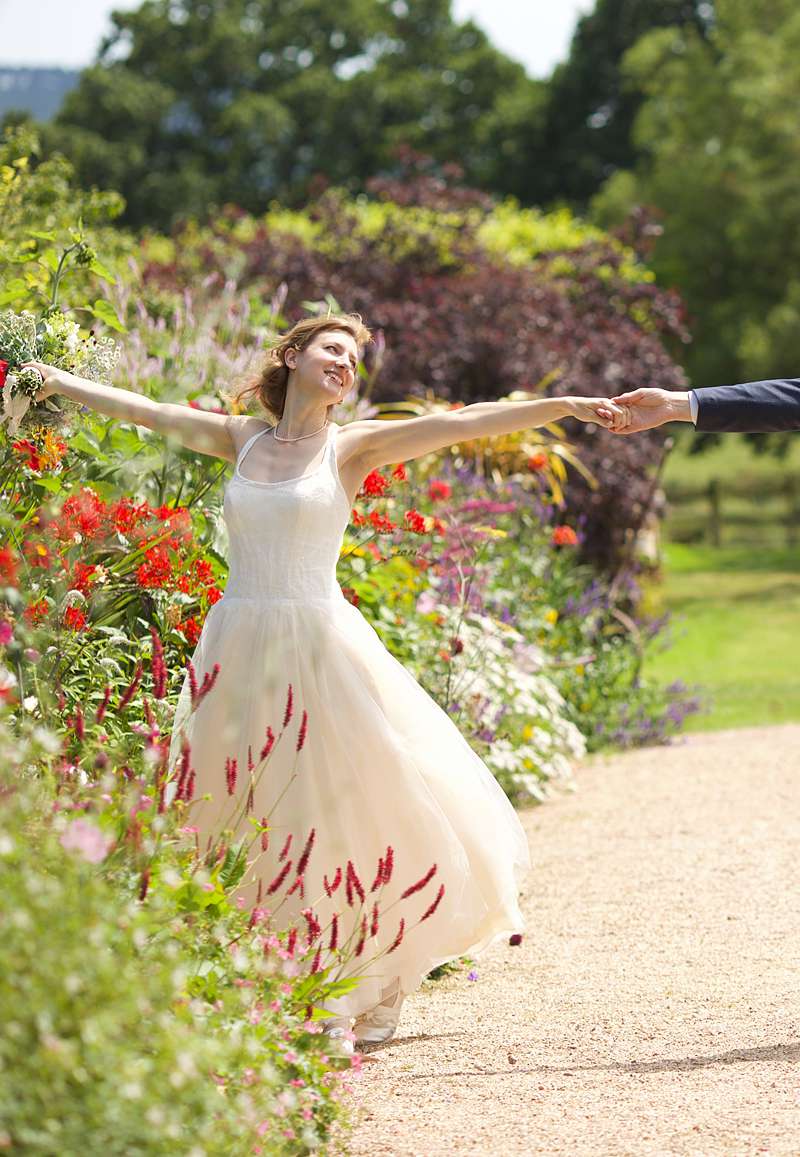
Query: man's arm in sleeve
x: 750, y: 408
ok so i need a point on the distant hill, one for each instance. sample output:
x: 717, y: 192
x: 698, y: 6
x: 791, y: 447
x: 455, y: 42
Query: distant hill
x: 39, y: 90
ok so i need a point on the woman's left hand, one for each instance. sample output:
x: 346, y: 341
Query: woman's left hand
x: 604, y: 412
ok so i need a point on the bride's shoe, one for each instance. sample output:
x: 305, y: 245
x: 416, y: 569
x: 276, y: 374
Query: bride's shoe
x: 338, y: 1032
x: 380, y: 1023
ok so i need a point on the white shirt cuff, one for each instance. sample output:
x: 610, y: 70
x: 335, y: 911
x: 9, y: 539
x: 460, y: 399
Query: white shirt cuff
x: 693, y: 406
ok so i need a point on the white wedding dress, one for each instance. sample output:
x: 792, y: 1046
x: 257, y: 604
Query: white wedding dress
x: 382, y: 764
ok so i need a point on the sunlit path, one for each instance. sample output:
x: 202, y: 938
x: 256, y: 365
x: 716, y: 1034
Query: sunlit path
x: 653, y: 1005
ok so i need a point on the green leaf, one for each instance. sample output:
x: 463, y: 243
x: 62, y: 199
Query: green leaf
x: 51, y: 484
x: 101, y: 271
x: 81, y: 442
x: 105, y: 312
x: 42, y: 235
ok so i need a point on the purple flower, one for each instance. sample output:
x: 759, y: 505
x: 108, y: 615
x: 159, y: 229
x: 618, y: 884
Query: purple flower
x: 472, y: 974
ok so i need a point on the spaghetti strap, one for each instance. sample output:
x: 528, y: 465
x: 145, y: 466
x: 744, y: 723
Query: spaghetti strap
x: 248, y: 444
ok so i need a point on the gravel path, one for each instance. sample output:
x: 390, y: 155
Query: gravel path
x: 654, y: 1004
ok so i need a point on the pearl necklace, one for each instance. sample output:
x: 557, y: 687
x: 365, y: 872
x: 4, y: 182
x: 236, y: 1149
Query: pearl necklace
x: 278, y: 438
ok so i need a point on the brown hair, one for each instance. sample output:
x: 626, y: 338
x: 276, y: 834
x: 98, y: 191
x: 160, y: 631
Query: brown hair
x: 270, y: 383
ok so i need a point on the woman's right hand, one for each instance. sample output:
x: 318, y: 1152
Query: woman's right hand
x: 50, y: 379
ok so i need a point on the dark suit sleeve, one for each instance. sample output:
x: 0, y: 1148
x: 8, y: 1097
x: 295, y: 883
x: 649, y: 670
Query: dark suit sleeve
x: 750, y: 408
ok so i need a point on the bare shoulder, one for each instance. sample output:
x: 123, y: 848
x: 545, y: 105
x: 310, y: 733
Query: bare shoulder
x: 380, y: 442
x: 243, y: 426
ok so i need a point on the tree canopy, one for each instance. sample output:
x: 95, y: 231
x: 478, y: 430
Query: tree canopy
x: 719, y: 156
x: 191, y: 104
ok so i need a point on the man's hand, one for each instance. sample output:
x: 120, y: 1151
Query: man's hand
x: 600, y: 410
x: 649, y: 408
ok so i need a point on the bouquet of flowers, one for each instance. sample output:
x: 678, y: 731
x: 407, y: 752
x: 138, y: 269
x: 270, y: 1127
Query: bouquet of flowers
x: 55, y: 339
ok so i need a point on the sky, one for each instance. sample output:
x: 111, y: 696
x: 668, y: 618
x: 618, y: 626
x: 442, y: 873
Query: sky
x: 67, y: 32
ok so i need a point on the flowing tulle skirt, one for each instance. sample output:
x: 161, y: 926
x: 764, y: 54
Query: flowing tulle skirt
x: 380, y: 765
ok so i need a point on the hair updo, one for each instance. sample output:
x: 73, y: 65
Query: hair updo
x: 270, y: 383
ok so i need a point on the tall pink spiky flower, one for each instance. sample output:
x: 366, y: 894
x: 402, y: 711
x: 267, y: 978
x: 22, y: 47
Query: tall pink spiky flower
x: 388, y: 864
x: 430, y: 911
x: 267, y: 748
x: 101, y: 710
x: 330, y: 888
x: 230, y: 773
x: 303, y: 861
x: 362, y: 936
x: 399, y: 937
x: 264, y: 834
x: 130, y: 690
x: 301, y: 738
x: 353, y: 882
x: 159, y: 668
x: 289, y: 706
x: 281, y: 876
x: 374, y: 925
x: 420, y: 884
x: 333, y: 943
x: 317, y: 958
x: 285, y: 849
x: 376, y: 883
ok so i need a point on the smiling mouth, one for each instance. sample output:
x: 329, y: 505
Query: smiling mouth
x: 334, y: 377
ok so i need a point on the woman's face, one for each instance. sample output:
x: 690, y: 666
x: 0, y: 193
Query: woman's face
x: 328, y: 365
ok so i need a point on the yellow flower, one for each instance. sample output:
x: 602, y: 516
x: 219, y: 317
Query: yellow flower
x: 551, y: 616
x: 580, y: 669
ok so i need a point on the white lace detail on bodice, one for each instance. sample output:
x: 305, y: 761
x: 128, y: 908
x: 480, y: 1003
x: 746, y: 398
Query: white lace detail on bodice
x: 285, y: 537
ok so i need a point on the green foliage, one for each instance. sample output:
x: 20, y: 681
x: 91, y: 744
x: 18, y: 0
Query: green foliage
x: 243, y: 102
x: 143, y: 1011
x: 719, y: 150
x: 50, y: 227
x: 735, y: 615
x: 585, y: 130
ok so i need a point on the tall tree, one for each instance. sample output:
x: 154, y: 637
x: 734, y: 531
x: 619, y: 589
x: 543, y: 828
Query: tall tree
x: 192, y: 103
x: 719, y: 156
x: 585, y: 133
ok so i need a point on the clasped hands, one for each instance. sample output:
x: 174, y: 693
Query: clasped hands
x: 642, y: 409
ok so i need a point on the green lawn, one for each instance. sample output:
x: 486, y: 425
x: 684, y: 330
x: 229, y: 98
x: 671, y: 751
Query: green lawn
x: 736, y: 631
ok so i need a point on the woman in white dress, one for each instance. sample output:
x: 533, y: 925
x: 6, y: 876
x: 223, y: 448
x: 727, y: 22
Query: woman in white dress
x: 370, y: 789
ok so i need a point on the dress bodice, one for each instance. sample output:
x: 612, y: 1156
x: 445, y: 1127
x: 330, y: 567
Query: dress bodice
x: 285, y: 537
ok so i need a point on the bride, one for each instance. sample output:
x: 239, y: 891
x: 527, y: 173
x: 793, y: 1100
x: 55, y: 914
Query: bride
x: 379, y: 774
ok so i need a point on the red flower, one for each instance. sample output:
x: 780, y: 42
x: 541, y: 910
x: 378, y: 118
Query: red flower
x: 538, y: 461
x: 3, y: 373
x: 399, y: 473
x: 415, y: 521
x: 190, y: 629
x: 36, y: 612
x: 156, y: 570
x: 564, y: 536
x: 375, y: 484
x: 8, y: 566
x: 75, y: 618
x: 32, y: 450
x: 438, y: 489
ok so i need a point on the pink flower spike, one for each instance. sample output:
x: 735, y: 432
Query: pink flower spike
x: 420, y: 884
x: 289, y: 706
x: 303, y: 861
x: 388, y: 864
x: 301, y: 738
x: 434, y: 905
x: 399, y: 937
x: 281, y: 876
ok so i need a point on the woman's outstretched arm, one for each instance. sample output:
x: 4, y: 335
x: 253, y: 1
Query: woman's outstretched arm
x: 196, y: 429
x: 380, y: 442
